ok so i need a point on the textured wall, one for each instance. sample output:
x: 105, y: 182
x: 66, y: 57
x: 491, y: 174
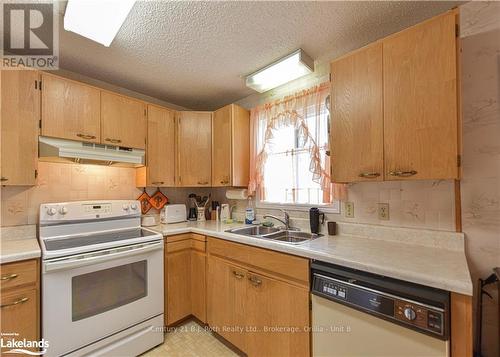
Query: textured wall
x: 480, y: 32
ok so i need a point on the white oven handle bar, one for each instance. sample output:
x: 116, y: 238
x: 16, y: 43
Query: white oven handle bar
x: 99, y: 257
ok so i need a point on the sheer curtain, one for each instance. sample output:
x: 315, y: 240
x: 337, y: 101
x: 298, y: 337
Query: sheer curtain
x: 288, y: 161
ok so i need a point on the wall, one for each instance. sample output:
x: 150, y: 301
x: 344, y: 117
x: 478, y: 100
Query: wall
x: 61, y: 182
x: 480, y: 32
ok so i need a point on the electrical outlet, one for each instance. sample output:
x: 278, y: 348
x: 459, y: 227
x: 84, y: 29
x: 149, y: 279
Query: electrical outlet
x: 383, y: 211
x: 349, y: 209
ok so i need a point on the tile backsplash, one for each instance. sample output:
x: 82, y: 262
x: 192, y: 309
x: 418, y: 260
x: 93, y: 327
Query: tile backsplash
x: 413, y: 204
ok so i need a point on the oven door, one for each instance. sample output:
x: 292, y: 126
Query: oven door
x: 93, y: 295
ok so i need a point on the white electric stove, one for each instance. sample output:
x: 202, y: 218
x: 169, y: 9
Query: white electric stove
x: 102, y: 279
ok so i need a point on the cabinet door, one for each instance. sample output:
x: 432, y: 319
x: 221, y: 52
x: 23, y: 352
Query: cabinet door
x: 221, y: 147
x: 271, y: 303
x: 161, y: 147
x: 420, y: 101
x: 356, y: 130
x: 70, y: 110
x: 195, y: 148
x: 19, y: 314
x: 227, y: 300
x: 178, y: 284
x: 123, y: 121
x: 198, y: 285
x: 20, y: 111
x: 240, y: 160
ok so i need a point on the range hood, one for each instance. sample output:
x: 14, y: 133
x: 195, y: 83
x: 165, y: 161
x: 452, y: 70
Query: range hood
x: 69, y: 151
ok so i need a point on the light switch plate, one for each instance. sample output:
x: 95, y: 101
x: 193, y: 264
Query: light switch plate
x: 383, y: 211
x: 349, y: 209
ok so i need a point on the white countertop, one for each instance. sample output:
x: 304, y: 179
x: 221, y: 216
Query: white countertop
x: 430, y: 258
x: 18, y: 243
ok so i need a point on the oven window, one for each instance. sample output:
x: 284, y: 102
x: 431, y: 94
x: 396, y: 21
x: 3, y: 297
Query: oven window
x: 107, y: 289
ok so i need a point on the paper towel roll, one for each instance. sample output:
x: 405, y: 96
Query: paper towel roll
x: 237, y: 194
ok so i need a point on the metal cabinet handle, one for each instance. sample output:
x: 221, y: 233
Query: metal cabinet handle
x: 3, y: 179
x: 114, y: 141
x: 8, y: 277
x: 369, y: 174
x: 400, y: 173
x: 255, y: 281
x: 85, y: 136
x: 20, y: 301
x: 238, y: 275
x: 203, y: 183
x: 157, y: 183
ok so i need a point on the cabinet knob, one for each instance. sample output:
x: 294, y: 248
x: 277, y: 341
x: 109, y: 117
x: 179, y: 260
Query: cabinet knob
x: 369, y: 174
x: 20, y: 301
x: 3, y: 179
x: 8, y: 277
x: 255, y: 281
x: 85, y: 136
x: 400, y: 173
x: 238, y: 275
x: 114, y: 141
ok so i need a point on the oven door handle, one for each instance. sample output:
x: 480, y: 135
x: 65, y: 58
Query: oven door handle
x: 100, y: 257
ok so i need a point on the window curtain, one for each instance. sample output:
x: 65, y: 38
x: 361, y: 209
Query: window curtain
x: 305, y: 114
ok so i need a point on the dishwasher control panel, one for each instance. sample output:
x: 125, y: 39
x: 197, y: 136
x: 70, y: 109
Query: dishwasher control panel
x: 416, y: 315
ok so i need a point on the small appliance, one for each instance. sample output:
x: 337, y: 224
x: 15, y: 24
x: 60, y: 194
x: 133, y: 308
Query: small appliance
x: 173, y: 214
x: 224, y: 212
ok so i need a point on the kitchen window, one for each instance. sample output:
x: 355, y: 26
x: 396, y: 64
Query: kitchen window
x: 290, y: 152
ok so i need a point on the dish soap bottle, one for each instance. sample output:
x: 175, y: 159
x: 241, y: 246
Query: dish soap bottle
x: 249, y: 212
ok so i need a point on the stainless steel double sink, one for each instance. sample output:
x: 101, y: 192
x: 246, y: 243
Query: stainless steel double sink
x: 275, y: 234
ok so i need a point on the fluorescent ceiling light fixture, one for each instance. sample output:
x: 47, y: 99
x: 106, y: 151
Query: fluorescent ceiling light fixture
x: 286, y: 69
x: 98, y: 20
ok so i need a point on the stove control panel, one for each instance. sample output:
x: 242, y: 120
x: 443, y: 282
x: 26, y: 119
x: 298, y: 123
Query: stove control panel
x: 51, y: 213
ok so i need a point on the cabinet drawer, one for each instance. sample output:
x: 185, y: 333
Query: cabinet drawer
x: 292, y: 268
x: 198, y: 245
x: 178, y: 237
x: 178, y: 246
x: 18, y: 274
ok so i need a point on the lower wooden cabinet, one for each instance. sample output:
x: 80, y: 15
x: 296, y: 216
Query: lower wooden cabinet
x: 226, y: 300
x: 278, y: 312
x: 251, y: 302
x: 178, y: 266
x: 256, y: 299
x: 185, y: 278
x: 20, y: 300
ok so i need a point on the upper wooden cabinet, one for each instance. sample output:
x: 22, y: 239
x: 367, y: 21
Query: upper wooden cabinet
x: 160, y: 169
x: 20, y: 111
x: 194, y: 148
x: 356, y: 131
x: 70, y: 110
x: 123, y: 121
x: 420, y: 101
x: 230, y: 146
x: 399, y: 94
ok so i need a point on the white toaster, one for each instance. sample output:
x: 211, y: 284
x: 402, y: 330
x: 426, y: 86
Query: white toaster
x: 173, y: 214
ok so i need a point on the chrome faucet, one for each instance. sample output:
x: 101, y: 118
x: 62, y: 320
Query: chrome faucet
x: 285, y: 221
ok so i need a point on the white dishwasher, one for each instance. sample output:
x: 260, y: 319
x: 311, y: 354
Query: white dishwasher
x: 356, y: 313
